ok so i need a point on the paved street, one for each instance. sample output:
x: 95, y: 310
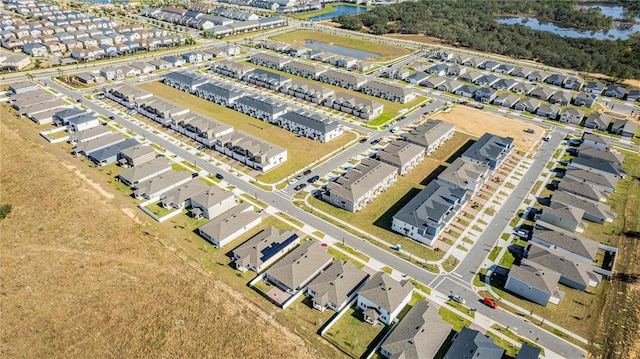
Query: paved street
x: 458, y: 281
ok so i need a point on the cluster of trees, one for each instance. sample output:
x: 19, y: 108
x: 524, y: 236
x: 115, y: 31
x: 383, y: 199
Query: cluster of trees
x: 473, y: 25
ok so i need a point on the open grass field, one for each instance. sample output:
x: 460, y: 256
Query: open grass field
x: 353, y: 335
x: 302, y: 151
x: 386, y: 52
x: 88, y: 281
x: 477, y: 122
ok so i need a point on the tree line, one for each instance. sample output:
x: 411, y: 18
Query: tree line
x: 473, y: 24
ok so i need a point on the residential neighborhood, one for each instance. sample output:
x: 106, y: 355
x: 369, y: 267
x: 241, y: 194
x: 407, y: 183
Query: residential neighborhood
x: 378, y: 197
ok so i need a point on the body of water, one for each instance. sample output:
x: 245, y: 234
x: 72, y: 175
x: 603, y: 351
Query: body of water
x: 317, y: 45
x: 619, y: 31
x: 340, y: 10
x: 614, y: 11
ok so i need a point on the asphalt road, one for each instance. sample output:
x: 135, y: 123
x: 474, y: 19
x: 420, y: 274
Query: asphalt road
x: 450, y: 282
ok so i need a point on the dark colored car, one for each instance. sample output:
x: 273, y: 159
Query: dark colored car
x: 112, y: 118
x: 195, y: 174
x: 219, y: 176
x: 307, y: 172
x: 313, y: 179
x: 375, y: 142
x: 363, y: 140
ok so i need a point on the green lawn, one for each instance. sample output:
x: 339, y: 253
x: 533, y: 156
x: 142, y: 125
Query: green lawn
x: 461, y: 308
x: 494, y: 253
x: 454, y: 319
x: 577, y: 310
x: 352, y: 251
x: 352, y: 334
x: 386, y: 52
x: 157, y: 209
x: 514, y: 336
x: 376, y: 217
x: 339, y: 255
x: 302, y: 151
x: 511, y: 350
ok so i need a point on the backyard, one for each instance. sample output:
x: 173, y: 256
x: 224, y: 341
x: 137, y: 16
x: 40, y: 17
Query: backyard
x: 353, y: 335
x: 301, y: 150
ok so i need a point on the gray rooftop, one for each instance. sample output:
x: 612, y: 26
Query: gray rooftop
x: 229, y: 222
x: 472, y: 344
x: 573, y: 270
x: 337, y: 283
x: 134, y: 174
x: 610, y: 168
x: 313, y: 121
x: 419, y: 334
x: 597, y: 178
x: 182, y: 193
x: 160, y: 182
x: 593, y: 152
x: 462, y: 172
x: 535, y: 275
x: 137, y: 151
x: 428, y: 132
x: 92, y: 132
x: 211, y: 196
x: 112, y: 150
x: 294, y: 269
x: 489, y: 148
x: 360, y: 179
x: 583, y: 189
x: 264, y: 104
x: 564, y: 239
x: 262, y: 246
x: 597, y: 209
x: 386, y: 291
x: 399, y: 152
x: 432, y: 206
x: 97, y: 143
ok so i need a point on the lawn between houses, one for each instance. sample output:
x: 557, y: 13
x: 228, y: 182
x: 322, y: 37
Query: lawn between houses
x: 376, y: 217
x: 302, y: 151
x: 386, y: 52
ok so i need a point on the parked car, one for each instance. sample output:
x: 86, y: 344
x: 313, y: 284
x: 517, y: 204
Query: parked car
x: 547, y: 139
x: 201, y: 147
x: 395, y: 129
x: 490, y: 303
x: 313, y: 179
x: 457, y: 298
x: 522, y: 233
x: 219, y: 176
x: 112, y: 118
x: 79, y: 100
x: 195, y: 174
x: 293, y: 180
x: 306, y: 173
x: 363, y: 140
x: 530, y: 130
x: 299, y: 177
x: 375, y: 142
x: 261, y: 211
x: 159, y: 155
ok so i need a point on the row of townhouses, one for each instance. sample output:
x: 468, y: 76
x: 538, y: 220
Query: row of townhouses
x: 50, y: 30
x: 217, y: 22
x: 433, y: 209
x: 254, y: 152
x: 314, y: 126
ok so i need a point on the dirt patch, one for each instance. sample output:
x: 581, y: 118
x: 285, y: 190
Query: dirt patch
x: 93, y: 185
x: 478, y: 122
x: 80, y: 279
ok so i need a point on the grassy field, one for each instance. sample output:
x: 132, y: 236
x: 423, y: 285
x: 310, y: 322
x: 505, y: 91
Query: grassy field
x: 477, y: 122
x: 386, y: 52
x: 301, y: 150
x: 376, y: 217
x: 454, y: 319
x: 618, y: 323
x: 94, y: 277
x: 352, y: 334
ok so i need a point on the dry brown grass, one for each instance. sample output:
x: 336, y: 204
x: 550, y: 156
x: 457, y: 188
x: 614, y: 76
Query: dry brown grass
x: 477, y: 122
x: 80, y: 279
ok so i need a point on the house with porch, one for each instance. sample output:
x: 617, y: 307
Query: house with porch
x: 263, y: 249
x: 226, y: 227
x: 336, y: 286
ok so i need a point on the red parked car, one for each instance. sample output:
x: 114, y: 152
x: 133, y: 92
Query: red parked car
x: 490, y: 303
